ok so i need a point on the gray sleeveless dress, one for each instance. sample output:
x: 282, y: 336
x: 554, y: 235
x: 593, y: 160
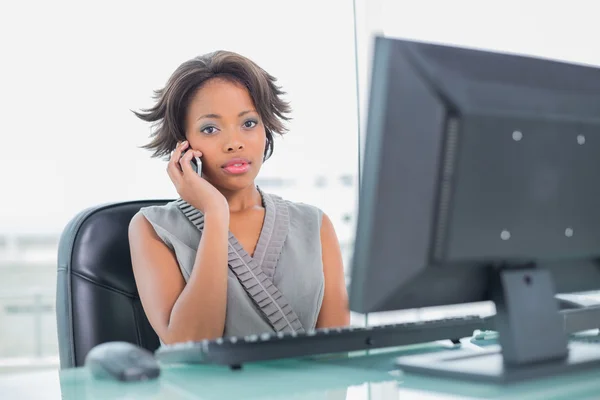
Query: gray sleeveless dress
x: 280, y: 287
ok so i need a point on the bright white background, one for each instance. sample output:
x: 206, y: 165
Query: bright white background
x: 71, y: 71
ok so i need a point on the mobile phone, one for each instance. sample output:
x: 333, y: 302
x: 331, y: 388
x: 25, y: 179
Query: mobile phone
x: 196, y: 163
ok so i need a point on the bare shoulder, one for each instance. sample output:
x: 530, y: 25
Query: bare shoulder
x: 326, y: 224
x: 155, y: 221
x: 330, y: 245
x: 139, y: 226
x: 143, y: 239
x: 161, y: 213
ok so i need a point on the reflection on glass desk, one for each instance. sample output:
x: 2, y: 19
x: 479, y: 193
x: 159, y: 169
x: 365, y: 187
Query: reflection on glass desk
x: 357, y: 376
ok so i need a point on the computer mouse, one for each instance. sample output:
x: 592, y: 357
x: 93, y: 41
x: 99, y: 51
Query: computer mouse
x: 121, y: 361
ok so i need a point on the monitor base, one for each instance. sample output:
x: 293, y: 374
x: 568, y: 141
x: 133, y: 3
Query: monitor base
x: 487, y: 365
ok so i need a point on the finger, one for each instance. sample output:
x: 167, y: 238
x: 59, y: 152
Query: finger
x: 173, y: 166
x: 176, y: 156
x: 186, y: 162
x: 181, y: 146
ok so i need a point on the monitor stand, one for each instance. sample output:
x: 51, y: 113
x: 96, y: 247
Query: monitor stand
x: 533, y: 342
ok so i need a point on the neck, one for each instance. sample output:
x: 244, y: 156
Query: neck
x: 240, y: 200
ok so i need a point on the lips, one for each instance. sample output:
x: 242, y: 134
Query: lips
x: 236, y: 166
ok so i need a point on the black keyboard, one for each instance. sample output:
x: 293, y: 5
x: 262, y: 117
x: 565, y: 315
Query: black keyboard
x: 235, y: 351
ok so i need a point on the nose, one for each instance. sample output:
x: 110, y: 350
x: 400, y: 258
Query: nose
x: 234, y: 144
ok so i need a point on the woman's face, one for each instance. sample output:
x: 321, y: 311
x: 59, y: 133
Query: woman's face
x: 223, y: 124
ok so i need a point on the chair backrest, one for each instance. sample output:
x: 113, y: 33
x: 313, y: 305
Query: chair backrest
x: 96, y: 298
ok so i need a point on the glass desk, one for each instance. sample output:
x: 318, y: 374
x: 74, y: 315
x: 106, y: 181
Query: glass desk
x: 359, y: 376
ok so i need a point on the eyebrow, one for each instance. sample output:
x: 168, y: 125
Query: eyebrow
x: 217, y: 116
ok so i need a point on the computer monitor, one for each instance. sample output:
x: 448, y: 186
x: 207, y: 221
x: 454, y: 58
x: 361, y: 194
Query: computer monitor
x: 480, y: 181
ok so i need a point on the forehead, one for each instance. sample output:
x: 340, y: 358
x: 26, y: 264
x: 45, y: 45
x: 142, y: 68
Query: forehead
x: 220, y: 96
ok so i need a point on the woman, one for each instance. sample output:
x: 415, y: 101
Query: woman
x: 227, y: 259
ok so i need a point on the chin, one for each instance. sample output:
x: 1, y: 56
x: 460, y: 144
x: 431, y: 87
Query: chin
x: 235, y: 183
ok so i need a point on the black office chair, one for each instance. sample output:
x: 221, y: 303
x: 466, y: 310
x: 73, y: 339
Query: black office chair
x: 96, y: 298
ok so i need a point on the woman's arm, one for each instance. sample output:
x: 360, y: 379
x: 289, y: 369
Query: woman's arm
x: 334, y: 309
x: 177, y: 311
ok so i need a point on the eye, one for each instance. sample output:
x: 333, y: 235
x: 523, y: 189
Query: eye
x: 209, y: 130
x: 250, y: 124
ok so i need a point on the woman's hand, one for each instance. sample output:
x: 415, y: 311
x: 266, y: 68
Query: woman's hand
x: 191, y: 187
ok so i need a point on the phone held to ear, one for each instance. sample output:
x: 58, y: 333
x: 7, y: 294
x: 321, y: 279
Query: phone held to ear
x: 196, y: 163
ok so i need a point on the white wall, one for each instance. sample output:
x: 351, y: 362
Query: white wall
x: 71, y: 71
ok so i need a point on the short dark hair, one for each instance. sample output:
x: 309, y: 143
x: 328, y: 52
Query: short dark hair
x: 168, y: 114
